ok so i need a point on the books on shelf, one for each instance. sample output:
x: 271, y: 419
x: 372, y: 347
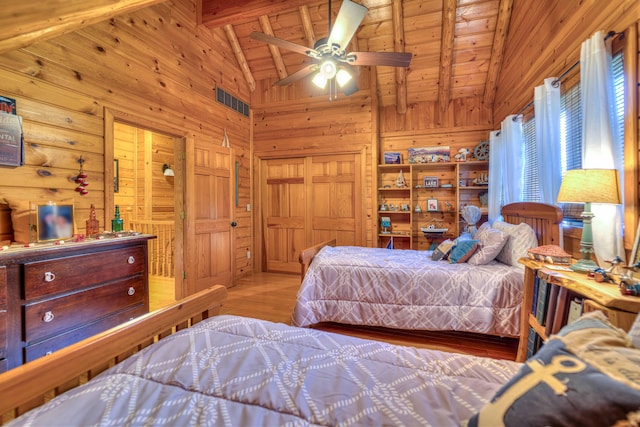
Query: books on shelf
x: 543, y: 298
x: 534, y: 342
x: 575, y: 309
x: 552, y: 301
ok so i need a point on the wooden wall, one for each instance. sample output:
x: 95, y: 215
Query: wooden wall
x: 153, y: 66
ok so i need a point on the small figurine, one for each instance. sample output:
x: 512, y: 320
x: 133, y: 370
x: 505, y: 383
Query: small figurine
x: 93, y: 225
x: 462, y: 155
x: 400, y: 182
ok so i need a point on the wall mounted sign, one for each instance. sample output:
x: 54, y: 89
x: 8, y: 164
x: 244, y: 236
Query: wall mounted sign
x: 7, y: 105
x: 11, y: 140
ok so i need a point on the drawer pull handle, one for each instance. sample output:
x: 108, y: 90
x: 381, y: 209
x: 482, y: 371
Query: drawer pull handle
x: 131, y: 291
x: 48, y: 317
x: 48, y: 353
x: 49, y: 276
x: 131, y: 260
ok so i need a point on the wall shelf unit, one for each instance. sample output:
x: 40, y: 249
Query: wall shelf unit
x: 432, y: 195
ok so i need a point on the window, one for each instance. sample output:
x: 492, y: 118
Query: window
x: 570, y: 135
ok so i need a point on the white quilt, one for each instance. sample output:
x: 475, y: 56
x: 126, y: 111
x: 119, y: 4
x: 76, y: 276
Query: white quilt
x: 405, y: 289
x: 238, y: 371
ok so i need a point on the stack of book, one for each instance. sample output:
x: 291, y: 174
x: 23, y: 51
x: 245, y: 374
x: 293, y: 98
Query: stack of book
x: 553, y: 307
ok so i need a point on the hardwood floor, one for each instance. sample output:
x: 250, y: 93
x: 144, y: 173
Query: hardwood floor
x: 271, y: 296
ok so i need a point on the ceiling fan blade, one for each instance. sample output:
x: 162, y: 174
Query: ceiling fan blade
x: 302, y: 73
x: 391, y: 59
x: 282, y: 43
x: 347, y: 22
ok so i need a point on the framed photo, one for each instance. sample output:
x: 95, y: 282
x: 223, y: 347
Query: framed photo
x: 55, y: 222
x: 430, y: 181
x: 429, y: 154
x: 432, y: 205
x: 392, y: 158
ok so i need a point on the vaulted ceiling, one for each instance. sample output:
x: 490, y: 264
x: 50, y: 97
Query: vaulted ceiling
x: 457, y: 45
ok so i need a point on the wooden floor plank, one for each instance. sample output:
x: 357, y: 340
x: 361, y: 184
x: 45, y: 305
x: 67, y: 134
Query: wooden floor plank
x: 271, y: 296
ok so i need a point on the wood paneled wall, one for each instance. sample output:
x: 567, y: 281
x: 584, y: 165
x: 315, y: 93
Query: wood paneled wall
x: 156, y: 67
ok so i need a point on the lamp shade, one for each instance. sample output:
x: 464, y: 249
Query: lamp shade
x: 590, y: 186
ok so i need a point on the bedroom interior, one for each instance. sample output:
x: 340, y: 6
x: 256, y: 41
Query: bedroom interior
x: 267, y: 168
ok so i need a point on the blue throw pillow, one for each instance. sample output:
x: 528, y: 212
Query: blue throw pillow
x: 462, y: 251
x: 587, y: 375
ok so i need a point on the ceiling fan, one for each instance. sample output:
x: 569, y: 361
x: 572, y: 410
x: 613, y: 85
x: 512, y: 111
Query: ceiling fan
x: 331, y: 62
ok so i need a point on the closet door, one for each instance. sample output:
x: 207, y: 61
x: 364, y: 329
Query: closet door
x: 307, y: 200
x: 334, y: 208
x: 283, y: 199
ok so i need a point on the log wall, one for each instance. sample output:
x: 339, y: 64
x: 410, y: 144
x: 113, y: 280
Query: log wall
x: 154, y: 66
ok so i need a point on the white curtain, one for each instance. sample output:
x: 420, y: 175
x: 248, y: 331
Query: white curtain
x: 546, y: 103
x: 601, y: 147
x: 496, y: 159
x: 505, y: 165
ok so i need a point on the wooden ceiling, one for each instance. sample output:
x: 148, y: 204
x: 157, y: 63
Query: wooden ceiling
x: 457, y: 45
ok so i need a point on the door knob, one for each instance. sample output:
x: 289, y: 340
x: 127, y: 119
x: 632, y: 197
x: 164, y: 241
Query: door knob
x: 234, y: 224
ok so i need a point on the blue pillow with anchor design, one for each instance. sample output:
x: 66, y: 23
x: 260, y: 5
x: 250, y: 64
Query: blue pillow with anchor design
x: 586, y: 375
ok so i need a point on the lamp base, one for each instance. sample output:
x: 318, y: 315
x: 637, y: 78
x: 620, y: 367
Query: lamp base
x: 583, y: 266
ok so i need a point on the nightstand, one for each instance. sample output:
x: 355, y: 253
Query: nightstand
x: 620, y: 309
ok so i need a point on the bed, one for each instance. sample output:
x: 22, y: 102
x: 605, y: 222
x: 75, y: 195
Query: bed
x: 230, y: 370
x: 406, y: 289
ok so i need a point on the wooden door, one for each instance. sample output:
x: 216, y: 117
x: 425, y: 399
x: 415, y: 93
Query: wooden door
x: 334, y: 210
x: 305, y: 201
x: 283, y: 213
x: 210, y: 236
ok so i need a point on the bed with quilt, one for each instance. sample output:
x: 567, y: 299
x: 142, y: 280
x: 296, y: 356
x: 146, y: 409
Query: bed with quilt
x: 476, y: 287
x: 238, y: 371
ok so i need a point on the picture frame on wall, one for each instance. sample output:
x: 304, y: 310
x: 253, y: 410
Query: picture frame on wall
x: 54, y: 222
x: 392, y: 158
x: 432, y: 205
x: 430, y: 181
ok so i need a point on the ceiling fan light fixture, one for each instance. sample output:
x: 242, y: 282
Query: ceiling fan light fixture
x: 328, y: 69
x: 343, y: 77
x: 319, y: 80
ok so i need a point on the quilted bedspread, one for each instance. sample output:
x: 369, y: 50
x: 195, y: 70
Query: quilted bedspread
x: 238, y: 371
x: 405, y: 289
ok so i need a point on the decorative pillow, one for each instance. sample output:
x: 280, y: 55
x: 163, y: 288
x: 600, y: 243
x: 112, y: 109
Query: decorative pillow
x: 634, y: 332
x: 442, y: 250
x: 587, y: 375
x: 491, y: 241
x: 21, y: 220
x: 521, y: 238
x: 462, y: 251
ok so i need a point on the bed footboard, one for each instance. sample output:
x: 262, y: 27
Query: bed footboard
x: 27, y: 386
x: 306, y: 256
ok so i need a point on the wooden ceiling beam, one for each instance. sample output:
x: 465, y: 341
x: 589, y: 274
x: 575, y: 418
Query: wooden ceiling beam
x: 242, y: 60
x: 398, y: 46
x: 216, y: 13
x: 275, y: 51
x: 43, y: 23
x: 497, y: 51
x: 307, y: 25
x: 446, y: 53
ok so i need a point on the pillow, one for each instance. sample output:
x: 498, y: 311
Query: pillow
x: 442, y: 250
x: 462, y: 251
x: 634, y: 332
x: 21, y: 220
x: 586, y: 375
x: 521, y: 238
x: 491, y: 241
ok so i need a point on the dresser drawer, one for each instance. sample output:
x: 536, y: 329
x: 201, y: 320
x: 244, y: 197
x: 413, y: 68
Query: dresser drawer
x: 47, y: 318
x: 65, y: 274
x: 45, y: 347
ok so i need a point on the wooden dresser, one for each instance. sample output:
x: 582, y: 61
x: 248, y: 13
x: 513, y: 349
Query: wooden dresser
x: 55, y: 295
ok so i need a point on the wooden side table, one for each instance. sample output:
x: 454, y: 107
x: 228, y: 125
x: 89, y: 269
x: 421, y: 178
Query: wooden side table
x: 620, y: 309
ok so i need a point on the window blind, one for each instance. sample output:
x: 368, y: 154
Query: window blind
x: 531, y: 187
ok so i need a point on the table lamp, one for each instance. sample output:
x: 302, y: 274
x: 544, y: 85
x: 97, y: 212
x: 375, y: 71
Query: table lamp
x: 589, y: 186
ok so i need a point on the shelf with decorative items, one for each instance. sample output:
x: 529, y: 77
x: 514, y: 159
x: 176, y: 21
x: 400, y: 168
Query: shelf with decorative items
x: 422, y: 201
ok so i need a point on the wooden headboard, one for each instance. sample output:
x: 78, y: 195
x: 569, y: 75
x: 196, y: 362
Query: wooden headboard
x: 544, y: 219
